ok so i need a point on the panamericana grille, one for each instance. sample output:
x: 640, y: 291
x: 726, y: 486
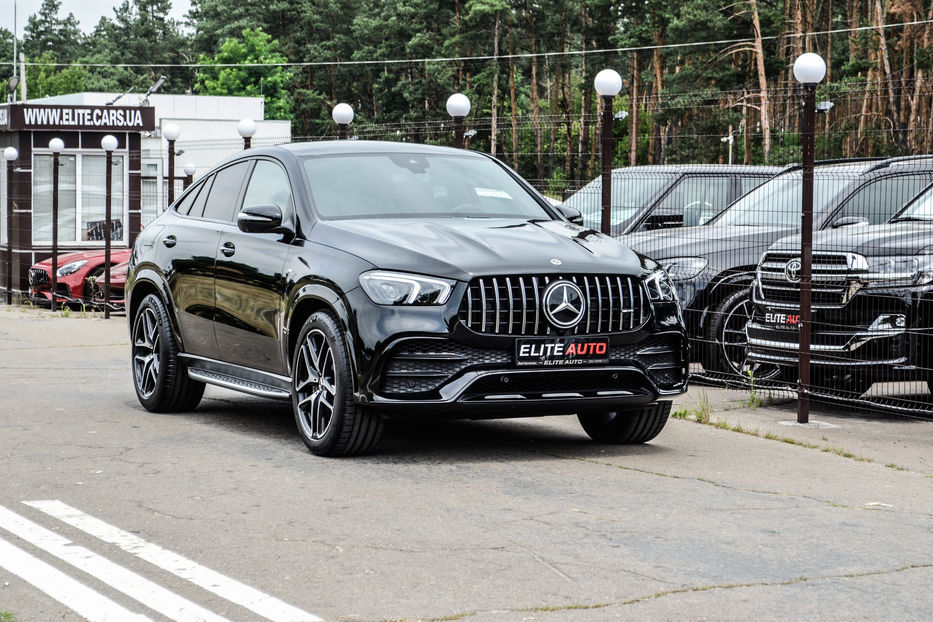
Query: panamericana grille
x: 38, y: 277
x: 512, y: 305
x: 832, y: 285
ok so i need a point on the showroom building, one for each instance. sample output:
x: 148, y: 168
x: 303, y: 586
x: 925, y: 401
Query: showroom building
x: 207, y: 128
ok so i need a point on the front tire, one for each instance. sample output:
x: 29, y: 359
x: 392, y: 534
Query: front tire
x: 160, y: 378
x: 638, y: 425
x: 329, y: 421
x: 726, y: 342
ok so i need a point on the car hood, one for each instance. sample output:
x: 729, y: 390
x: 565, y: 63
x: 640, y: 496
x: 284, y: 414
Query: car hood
x: 705, y: 241
x: 902, y: 238
x: 116, y: 256
x: 464, y: 248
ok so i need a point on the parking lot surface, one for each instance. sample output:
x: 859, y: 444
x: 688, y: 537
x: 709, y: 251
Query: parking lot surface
x: 221, y: 513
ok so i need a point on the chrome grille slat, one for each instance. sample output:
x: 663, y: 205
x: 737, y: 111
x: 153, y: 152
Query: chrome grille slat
x: 831, y: 280
x: 511, y: 305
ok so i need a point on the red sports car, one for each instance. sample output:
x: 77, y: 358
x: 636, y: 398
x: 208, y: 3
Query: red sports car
x: 80, y: 278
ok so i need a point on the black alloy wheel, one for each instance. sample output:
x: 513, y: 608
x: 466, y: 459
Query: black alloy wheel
x: 727, y: 343
x: 161, y: 380
x: 329, y: 421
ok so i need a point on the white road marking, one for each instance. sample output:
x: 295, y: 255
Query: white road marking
x: 84, y: 601
x: 267, y: 606
x: 133, y: 585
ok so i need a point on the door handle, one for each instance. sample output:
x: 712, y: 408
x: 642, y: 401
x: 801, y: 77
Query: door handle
x: 170, y: 241
x: 228, y: 249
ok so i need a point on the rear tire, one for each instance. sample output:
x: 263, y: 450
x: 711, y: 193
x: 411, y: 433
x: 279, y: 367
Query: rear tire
x: 638, y: 425
x: 329, y: 421
x: 159, y: 377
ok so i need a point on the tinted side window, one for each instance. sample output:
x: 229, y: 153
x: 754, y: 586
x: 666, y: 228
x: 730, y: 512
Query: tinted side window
x: 691, y: 202
x: 268, y: 185
x: 184, y: 206
x: 221, y: 202
x: 750, y: 183
x: 880, y: 199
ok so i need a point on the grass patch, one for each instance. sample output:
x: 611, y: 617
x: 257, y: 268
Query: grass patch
x: 6, y: 616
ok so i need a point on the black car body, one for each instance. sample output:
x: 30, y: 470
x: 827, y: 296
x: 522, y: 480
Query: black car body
x: 713, y: 265
x: 368, y: 279
x: 871, y: 303
x: 644, y: 198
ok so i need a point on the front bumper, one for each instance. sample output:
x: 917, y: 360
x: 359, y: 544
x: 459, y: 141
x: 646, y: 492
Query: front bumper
x: 882, y: 334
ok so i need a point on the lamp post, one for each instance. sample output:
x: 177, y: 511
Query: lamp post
x: 56, y: 145
x: 343, y: 116
x: 108, y: 143
x: 246, y: 128
x: 9, y: 154
x: 171, y: 133
x: 458, y: 106
x: 608, y: 83
x: 189, y: 174
x: 809, y: 70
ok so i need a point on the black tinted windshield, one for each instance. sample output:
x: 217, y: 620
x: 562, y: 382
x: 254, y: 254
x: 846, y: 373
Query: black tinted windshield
x: 416, y: 185
x: 778, y: 202
x: 629, y: 194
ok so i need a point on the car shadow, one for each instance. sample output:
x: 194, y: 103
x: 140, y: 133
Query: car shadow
x: 430, y: 440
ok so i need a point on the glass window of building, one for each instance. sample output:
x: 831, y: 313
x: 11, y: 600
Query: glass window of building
x: 81, y: 199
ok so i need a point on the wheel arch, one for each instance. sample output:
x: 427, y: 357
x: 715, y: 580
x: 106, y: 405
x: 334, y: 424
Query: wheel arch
x: 147, y: 282
x: 308, y: 300
x: 722, y: 286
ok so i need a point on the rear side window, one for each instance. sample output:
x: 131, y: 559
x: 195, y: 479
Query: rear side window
x: 222, y: 201
x: 184, y: 206
x: 878, y: 200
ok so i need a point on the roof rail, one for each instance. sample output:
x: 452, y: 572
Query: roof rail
x: 895, y: 160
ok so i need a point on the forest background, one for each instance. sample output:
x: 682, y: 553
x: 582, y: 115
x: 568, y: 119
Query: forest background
x: 705, y: 81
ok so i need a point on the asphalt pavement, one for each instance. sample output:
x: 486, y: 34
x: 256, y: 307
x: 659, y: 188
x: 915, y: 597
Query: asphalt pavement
x: 746, y: 515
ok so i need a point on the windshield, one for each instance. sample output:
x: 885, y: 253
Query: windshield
x: 629, y: 194
x: 778, y: 201
x: 920, y: 209
x: 416, y: 185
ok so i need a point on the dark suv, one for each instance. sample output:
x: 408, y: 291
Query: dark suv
x: 361, y: 280
x: 667, y: 196
x: 713, y: 265
x: 872, y: 303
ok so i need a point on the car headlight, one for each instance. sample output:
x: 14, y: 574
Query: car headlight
x: 660, y: 287
x: 886, y: 271
x: 401, y: 288
x: 71, y: 268
x: 684, y: 268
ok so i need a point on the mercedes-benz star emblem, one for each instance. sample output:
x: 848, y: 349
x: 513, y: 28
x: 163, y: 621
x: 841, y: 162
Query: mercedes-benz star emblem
x: 792, y: 271
x: 564, y: 304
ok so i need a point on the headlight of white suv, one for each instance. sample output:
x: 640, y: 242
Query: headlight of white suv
x: 684, y: 268
x: 402, y: 288
x: 71, y: 268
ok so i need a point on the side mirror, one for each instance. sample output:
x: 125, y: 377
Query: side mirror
x: 260, y: 219
x: 571, y: 213
x: 850, y: 220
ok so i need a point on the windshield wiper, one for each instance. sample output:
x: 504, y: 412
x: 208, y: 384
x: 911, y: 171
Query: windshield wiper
x: 909, y: 219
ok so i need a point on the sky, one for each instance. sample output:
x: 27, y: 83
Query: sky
x: 87, y: 12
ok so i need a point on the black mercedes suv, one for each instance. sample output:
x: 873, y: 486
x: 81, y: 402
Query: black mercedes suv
x: 872, y: 303
x: 363, y: 280
x: 713, y: 265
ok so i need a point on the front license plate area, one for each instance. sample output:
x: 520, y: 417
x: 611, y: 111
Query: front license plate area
x: 561, y: 351
x: 783, y: 321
